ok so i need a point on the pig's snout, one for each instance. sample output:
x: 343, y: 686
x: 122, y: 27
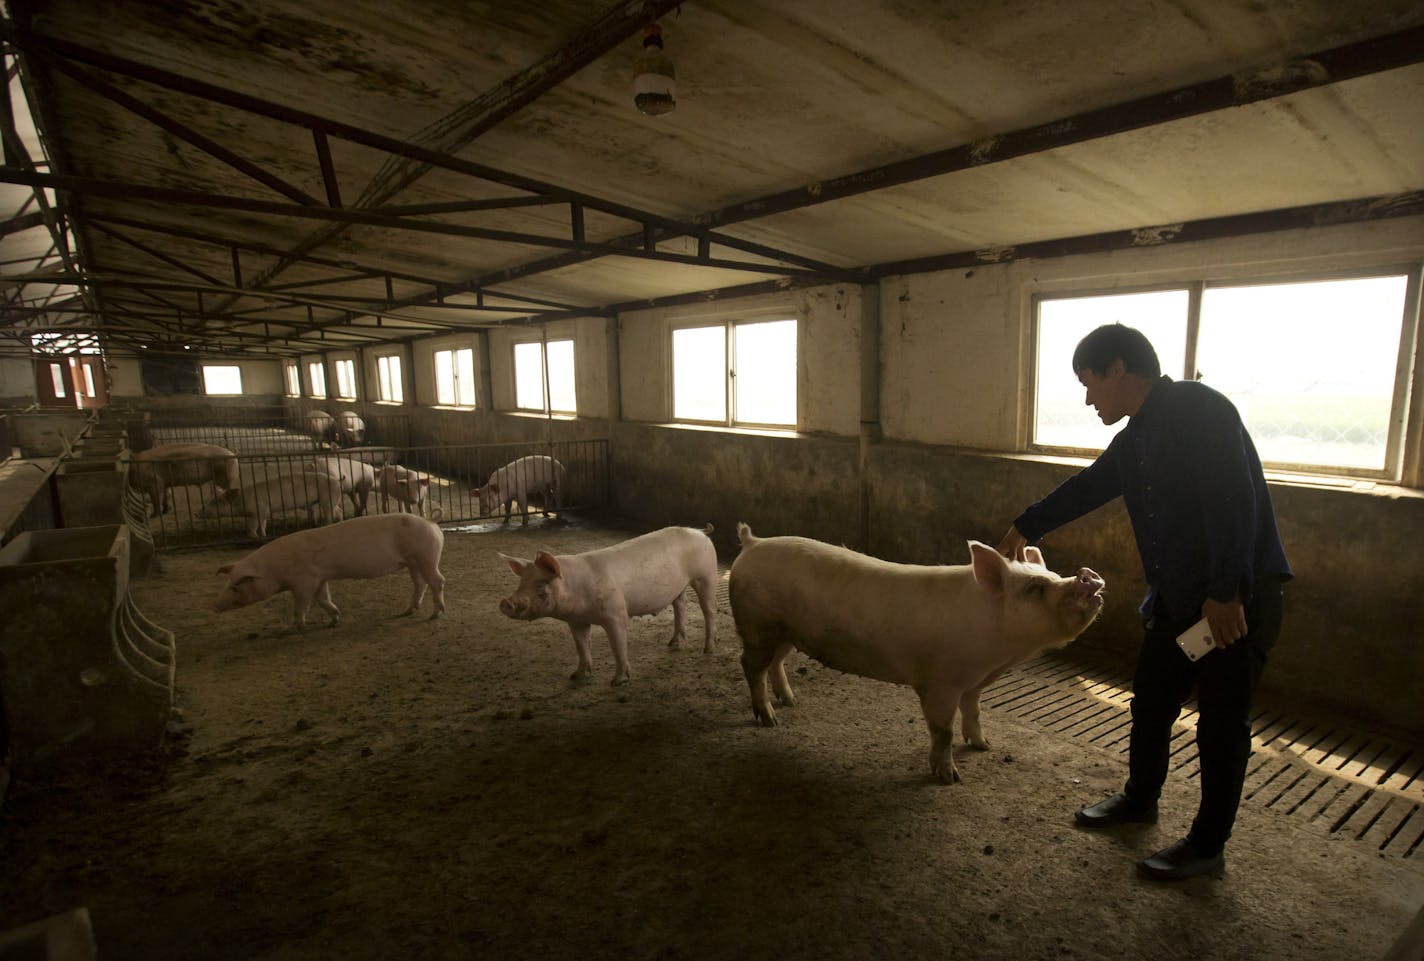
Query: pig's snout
x: 510, y: 607
x: 1089, y: 582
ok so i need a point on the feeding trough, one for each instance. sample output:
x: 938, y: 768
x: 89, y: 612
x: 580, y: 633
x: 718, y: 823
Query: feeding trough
x: 83, y: 674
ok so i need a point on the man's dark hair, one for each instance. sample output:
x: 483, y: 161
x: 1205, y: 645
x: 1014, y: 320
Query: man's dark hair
x: 1112, y: 342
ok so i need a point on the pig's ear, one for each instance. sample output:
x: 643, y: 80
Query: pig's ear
x: 516, y: 564
x: 225, y: 569
x: 424, y: 482
x: 989, y: 567
x: 1035, y: 556
x: 547, y: 561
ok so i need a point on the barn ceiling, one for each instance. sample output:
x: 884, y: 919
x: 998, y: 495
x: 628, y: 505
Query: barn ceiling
x: 277, y: 177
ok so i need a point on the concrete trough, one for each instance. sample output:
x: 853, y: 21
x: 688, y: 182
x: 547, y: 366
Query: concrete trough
x: 83, y: 674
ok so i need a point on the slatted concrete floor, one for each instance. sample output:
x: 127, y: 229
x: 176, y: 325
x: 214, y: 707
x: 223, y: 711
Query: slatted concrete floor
x: 1322, y: 774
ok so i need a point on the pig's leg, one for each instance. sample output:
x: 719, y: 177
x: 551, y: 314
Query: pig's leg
x: 323, y: 597
x: 969, y: 711
x: 706, y: 588
x: 679, y: 609
x: 582, y: 633
x: 616, y: 628
x: 417, y: 594
x: 758, y: 653
x: 779, y: 684
x: 940, y: 707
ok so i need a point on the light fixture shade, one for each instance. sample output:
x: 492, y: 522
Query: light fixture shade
x: 654, y: 79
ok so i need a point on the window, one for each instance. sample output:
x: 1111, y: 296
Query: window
x: 222, y: 379
x: 388, y: 380
x: 529, y: 376
x: 455, y: 377
x: 758, y: 388
x: 346, y: 379
x: 316, y: 370
x: 88, y: 379
x: 56, y: 375
x: 1311, y: 365
x: 294, y: 380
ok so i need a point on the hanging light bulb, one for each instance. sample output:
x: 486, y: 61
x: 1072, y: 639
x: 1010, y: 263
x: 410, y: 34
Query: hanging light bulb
x: 654, y: 80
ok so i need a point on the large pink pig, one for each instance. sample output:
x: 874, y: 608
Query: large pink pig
x: 607, y: 586
x: 946, y: 631
x: 537, y: 475
x: 305, y: 561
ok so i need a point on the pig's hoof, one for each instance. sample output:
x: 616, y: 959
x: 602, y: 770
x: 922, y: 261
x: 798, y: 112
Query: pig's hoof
x: 675, y: 643
x: 620, y: 681
x: 581, y: 677
x: 978, y: 743
x: 946, y: 773
x: 766, y: 718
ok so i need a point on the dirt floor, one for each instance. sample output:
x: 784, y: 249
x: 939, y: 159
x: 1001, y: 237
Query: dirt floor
x: 401, y: 788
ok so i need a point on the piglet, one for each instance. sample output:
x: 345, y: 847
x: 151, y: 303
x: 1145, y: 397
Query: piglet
x: 362, y: 547
x: 610, y: 585
x: 946, y: 631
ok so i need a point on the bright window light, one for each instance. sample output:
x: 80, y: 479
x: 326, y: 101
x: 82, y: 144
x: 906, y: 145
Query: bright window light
x: 388, y: 379
x: 222, y: 379
x: 765, y: 373
x: 1322, y: 395
x: 294, y: 380
x: 89, y: 380
x: 699, y: 374
x: 346, y: 379
x: 455, y: 377
x: 1061, y: 418
x: 529, y: 376
x: 563, y: 397
x: 316, y: 370
x: 56, y: 376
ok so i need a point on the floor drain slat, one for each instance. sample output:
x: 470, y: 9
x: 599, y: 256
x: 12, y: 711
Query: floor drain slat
x: 1330, y: 779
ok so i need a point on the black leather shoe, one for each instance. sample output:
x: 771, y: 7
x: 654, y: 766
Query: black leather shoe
x: 1118, y: 809
x: 1181, y: 861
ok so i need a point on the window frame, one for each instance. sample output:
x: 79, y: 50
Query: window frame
x: 316, y: 379
x: 454, y: 353
x: 203, y: 374
x: 384, y: 380
x: 729, y: 321
x: 347, y: 366
x: 546, y: 383
x: 1410, y: 326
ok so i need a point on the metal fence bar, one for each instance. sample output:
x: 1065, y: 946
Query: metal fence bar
x: 284, y: 490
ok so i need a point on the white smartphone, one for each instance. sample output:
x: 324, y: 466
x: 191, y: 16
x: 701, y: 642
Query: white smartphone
x: 1196, y: 640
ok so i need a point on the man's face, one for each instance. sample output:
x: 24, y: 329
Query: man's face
x: 1105, y: 394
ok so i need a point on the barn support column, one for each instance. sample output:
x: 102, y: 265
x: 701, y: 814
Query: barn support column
x: 485, y: 401
x: 869, y: 399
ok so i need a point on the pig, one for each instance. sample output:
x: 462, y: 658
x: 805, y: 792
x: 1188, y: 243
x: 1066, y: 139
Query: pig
x: 320, y: 427
x: 409, y: 488
x: 537, y: 475
x: 287, y: 492
x: 357, y: 477
x: 305, y: 561
x: 350, y: 429
x: 156, y: 469
x: 609, y: 585
x: 946, y: 631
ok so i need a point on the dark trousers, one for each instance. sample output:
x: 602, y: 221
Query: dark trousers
x: 1225, y: 681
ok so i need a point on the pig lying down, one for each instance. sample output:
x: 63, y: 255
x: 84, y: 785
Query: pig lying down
x: 362, y: 547
x: 946, y: 631
x: 607, y: 586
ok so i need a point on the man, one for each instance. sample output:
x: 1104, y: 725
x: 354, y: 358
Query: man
x: 1190, y: 478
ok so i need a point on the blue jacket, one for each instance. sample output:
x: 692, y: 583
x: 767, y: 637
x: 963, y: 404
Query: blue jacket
x: 1189, y: 475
